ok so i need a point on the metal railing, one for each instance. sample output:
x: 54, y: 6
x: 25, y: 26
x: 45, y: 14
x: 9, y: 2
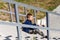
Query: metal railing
x: 18, y: 24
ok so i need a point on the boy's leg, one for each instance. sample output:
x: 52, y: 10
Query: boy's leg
x: 39, y: 32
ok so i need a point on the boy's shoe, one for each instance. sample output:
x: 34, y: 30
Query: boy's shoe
x: 27, y: 37
x: 44, y: 37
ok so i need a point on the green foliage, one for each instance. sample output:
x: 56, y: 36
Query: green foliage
x: 47, y: 4
x: 19, y: 0
x: 1, y: 5
x: 51, y: 7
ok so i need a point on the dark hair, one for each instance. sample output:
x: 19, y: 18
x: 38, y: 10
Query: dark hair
x: 28, y: 15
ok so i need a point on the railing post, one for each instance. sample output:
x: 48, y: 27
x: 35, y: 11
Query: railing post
x: 47, y: 23
x: 25, y: 11
x: 17, y: 21
x: 10, y: 13
x: 35, y: 15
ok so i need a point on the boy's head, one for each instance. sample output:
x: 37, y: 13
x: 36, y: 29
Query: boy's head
x: 29, y: 16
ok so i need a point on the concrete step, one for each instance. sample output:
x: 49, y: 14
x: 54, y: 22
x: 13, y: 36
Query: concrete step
x: 8, y: 32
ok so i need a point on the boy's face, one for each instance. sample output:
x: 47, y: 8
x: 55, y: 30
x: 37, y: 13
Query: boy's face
x: 30, y: 18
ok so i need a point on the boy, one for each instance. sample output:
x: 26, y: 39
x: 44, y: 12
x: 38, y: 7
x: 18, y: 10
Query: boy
x: 32, y: 30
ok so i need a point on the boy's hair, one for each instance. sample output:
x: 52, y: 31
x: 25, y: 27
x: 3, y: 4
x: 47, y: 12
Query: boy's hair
x: 28, y: 15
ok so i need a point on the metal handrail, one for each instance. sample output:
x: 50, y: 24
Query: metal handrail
x: 25, y: 25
